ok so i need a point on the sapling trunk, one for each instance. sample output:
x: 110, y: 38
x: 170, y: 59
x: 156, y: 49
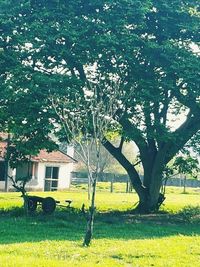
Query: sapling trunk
x: 90, y: 221
x: 21, y: 188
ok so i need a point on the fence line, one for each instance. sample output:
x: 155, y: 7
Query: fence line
x: 79, y: 177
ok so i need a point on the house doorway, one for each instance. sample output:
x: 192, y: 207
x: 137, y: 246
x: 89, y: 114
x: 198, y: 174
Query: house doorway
x: 51, y: 178
x: 2, y: 170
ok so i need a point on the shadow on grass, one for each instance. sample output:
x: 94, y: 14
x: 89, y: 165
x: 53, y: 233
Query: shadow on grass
x: 70, y: 224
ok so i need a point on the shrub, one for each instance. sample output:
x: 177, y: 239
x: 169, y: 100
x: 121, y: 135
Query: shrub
x: 190, y: 214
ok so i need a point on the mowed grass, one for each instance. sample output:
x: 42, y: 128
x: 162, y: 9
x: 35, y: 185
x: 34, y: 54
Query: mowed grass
x: 120, y: 238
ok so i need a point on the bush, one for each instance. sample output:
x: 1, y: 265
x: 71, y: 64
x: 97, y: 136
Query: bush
x: 190, y: 214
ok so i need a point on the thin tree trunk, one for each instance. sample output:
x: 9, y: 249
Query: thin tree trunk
x: 90, y: 222
x: 7, y: 164
x: 89, y: 185
x: 6, y: 174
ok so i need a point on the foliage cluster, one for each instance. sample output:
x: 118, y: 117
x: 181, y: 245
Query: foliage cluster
x: 147, y: 51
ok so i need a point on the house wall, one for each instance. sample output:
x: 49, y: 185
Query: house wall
x: 64, y: 178
x: 37, y: 182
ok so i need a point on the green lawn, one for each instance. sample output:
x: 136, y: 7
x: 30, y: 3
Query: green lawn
x: 120, y: 238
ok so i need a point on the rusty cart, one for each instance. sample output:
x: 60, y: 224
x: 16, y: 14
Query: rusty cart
x: 48, y: 204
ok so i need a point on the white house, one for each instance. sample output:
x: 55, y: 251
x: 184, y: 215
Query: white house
x: 49, y: 171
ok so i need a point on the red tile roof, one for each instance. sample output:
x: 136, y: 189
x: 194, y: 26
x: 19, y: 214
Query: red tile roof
x: 43, y: 156
x: 55, y: 156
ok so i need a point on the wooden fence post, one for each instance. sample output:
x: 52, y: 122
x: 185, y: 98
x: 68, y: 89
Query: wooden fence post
x: 130, y: 187
x: 112, y: 183
x: 111, y: 186
x: 127, y: 186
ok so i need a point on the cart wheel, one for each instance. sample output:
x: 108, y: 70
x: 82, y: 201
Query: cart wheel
x: 32, y: 204
x: 48, y: 205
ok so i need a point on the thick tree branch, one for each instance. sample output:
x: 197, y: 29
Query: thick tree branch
x: 149, y: 129
x: 121, y: 143
x: 182, y: 135
x: 135, y: 178
x: 133, y: 132
x: 164, y: 110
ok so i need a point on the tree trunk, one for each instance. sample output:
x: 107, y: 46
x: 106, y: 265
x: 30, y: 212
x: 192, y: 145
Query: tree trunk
x: 7, y: 164
x: 153, y: 163
x: 150, y: 201
x: 150, y: 197
x: 90, y: 220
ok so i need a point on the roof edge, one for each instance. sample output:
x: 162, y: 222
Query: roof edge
x: 76, y: 161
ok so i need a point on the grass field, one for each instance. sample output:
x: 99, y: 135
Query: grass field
x: 120, y: 238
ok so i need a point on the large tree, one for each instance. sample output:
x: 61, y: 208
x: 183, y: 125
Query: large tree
x: 148, y: 48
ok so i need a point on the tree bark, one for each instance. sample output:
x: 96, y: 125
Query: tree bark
x: 148, y: 190
x: 151, y: 198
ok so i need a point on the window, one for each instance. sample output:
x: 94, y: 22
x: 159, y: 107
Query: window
x: 35, y: 171
x: 24, y: 170
x: 51, y: 178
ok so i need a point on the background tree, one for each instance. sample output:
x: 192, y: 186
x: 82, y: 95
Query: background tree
x: 106, y: 160
x: 186, y: 165
x: 108, y: 163
x: 151, y: 47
